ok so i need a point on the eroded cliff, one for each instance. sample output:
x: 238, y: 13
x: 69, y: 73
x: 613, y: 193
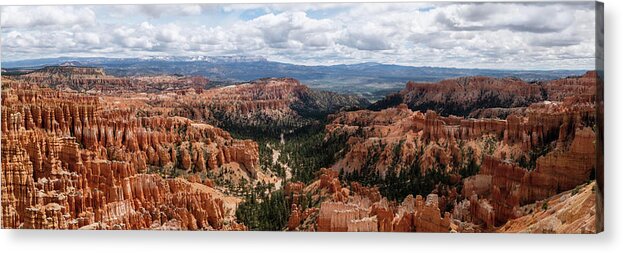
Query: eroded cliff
x: 69, y: 162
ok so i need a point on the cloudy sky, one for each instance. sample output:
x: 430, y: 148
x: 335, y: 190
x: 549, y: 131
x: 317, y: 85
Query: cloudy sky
x: 486, y: 35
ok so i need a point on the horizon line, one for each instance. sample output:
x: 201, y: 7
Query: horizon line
x: 282, y: 62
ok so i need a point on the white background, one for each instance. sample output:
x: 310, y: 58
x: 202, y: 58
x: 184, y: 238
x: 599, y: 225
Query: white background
x: 154, y: 241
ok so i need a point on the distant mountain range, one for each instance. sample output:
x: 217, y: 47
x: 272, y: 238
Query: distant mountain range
x: 371, y: 80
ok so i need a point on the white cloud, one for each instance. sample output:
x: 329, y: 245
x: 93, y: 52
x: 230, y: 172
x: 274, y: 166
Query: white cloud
x: 129, y: 37
x: 87, y: 38
x: 276, y: 7
x: 292, y: 29
x: 532, y: 18
x: 35, y: 16
x: 169, y: 33
x: 507, y: 35
x: 370, y: 36
x: 156, y: 10
x: 18, y: 40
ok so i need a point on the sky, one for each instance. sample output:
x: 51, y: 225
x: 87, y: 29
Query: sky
x: 463, y: 35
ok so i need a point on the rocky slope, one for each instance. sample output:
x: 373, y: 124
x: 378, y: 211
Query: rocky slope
x: 264, y: 105
x: 568, y: 212
x: 484, y: 169
x: 152, y: 153
x: 126, y: 156
x: 395, y: 134
x: 466, y: 95
x: 95, y: 80
x: 271, y: 105
x: 71, y: 161
x: 398, y: 137
x: 356, y: 208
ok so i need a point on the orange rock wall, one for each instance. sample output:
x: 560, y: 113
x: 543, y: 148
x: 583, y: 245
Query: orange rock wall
x: 69, y: 163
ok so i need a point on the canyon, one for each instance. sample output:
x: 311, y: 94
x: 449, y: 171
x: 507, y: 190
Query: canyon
x: 547, y: 148
x: 70, y: 162
x: 82, y: 149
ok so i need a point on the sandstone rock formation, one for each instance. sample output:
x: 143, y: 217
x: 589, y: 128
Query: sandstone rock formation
x: 533, y: 153
x: 262, y: 105
x: 70, y: 163
x: 568, y: 212
x: 378, y: 133
x: 467, y: 95
x: 462, y: 95
x: 362, y: 209
x: 360, y: 215
x: 95, y: 80
x: 513, y: 186
x: 148, y: 153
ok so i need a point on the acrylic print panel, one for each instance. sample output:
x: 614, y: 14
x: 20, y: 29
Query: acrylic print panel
x: 388, y: 117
